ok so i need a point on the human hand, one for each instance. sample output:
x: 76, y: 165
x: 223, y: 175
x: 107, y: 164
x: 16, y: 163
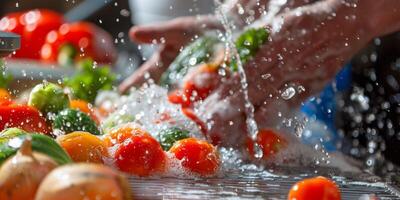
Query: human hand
x: 308, y: 46
x: 170, y: 36
x: 174, y: 34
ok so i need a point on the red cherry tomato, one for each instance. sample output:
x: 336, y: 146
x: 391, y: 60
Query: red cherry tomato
x: 197, y: 156
x: 140, y: 155
x: 86, y: 38
x: 179, y: 97
x: 269, y: 141
x: 24, y: 117
x: 197, y: 85
x: 319, y: 188
x: 38, y: 23
x: 119, y: 135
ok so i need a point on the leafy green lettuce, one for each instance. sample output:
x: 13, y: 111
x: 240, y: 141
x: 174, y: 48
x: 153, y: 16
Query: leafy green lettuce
x: 89, y: 80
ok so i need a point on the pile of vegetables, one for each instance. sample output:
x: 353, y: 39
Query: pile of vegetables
x: 55, y: 135
x: 61, y: 129
x: 46, y: 36
x: 134, y: 150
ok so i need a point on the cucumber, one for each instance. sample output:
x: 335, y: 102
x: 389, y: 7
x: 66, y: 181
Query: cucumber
x: 199, y: 51
x: 9, y: 133
x: 11, y: 140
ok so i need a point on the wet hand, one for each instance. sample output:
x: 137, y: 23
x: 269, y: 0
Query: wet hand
x: 170, y: 36
x: 308, y: 46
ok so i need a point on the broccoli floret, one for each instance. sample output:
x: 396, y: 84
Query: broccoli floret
x: 70, y: 120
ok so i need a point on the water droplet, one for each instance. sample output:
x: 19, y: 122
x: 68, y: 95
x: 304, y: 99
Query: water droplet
x: 288, y: 93
x: 258, y: 152
x: 265, y: 76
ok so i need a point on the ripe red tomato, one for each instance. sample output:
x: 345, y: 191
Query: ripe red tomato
x: 198, y: 84
x: 269, y: 141
x: 38, y: 23
x: 87, y: 39
x: 33, y: 27
x: 197, y: 156
x: 140, y: 155
x: 23, y: 117
x: 320, y: 188
x: 179, y: 97
x: 118, y: 136
x: 12, y: 23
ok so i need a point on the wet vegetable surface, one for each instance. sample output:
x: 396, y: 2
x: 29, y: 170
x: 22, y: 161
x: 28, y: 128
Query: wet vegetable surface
x: 70, y: 120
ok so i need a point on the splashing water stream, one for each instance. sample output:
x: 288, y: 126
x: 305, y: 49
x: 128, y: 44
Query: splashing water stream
x: 252, y: 129
x: 249, y: 107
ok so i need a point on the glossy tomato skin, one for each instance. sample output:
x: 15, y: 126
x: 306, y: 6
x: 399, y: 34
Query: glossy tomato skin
x: 200, y: 83
x: 119, y: 135
x: 24, y: 117
x: 179, y: 97
x: 86, y: 38
x: 318, y: 188
x: 38, y: 23
x: 140, y: 155
x: 12, y: 22
x: 197, y: 156
x: 197, y: 85
x: 270, y: 142
x: 33, y: 27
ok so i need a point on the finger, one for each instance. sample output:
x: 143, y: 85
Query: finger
x: 174, y: 32
x: 153, y: 68
x: 224, y: 120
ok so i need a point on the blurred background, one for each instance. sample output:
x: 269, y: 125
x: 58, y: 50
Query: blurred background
x: 115, y: 17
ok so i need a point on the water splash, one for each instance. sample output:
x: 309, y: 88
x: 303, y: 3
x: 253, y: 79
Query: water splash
x: 249, y: 107
x: 288, y: 93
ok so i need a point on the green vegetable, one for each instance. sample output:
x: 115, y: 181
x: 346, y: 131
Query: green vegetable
x: 48, y: 98
x: 199, y: 51
x: 89, y: 80
x: 11, y: 140
x: 114, y: 120
x: 5, y: 78
x: 66, y: 55
x: 169, y: 136
x: 248, y: 44
x: 9, y: 133
x: 202, y: 50
x: 70, y: 120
